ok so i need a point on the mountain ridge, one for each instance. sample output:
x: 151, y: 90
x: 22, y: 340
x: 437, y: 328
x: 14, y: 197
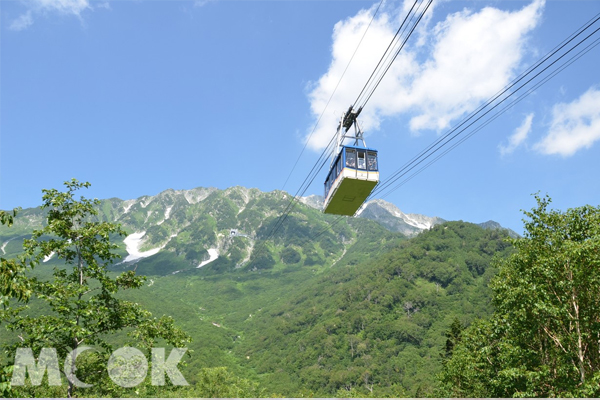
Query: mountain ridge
x: 196, y: 224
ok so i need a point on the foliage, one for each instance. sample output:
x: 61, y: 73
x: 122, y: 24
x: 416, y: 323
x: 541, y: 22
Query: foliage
x: 542, y: 339
x: 453, y: 337
x: 374, y: 324
x: 289, y: 255
x: 219, y: 382
x: 324, y: 307
x: 7, y: 218
x: 82, y: 297
x: 11, y: 285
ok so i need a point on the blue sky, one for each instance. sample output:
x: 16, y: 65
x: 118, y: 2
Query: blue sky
x: 141, y: 96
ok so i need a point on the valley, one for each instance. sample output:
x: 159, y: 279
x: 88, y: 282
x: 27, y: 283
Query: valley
x: 322, y: 307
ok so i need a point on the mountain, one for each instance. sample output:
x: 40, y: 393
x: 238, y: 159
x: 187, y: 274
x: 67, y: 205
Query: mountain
x: 496, y: 226
x: 385, y: 214
x: 375, y: 326
x: 314, y: 201
x: 395, y: 220
x: 392, y: 218
x: 318, y: 306
x: 179, y: 230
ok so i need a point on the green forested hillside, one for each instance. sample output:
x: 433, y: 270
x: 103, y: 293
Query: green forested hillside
x: 322, y: 307
x: 372, y: 324
x: 376, y: 325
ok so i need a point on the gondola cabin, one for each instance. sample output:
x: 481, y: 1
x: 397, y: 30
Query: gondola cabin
x: 352, y: 177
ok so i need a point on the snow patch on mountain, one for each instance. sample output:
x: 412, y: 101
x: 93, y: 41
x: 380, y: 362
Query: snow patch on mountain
x: 213, y: 254
x: 133, y: 243
x: 167, y: 215
x: 144, y: 205
x: 416, y: 223
x: 4, y: 245
x: 148, y: 216
x: 127, y: 204
x: 48, y: 257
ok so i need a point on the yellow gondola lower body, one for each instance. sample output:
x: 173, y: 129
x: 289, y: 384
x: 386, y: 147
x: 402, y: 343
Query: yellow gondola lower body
x: 350, y: 191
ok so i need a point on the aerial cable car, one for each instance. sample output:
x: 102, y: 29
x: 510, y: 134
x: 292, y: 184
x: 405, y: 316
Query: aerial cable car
x: 353, y: 173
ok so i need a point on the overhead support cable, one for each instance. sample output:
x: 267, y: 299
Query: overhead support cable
x: 553, y: 57
x: 408, y: 26
x: 595, y: 43
x: 333, y: 93
x: 319, y: 163
x: 546, y: 63
x: 387, y: 51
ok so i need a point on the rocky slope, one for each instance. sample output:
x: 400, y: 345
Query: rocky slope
x: 177, y: 230
x: 395, y: 220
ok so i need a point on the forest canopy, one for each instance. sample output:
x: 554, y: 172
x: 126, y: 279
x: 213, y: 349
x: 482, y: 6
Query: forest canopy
x: 457, y: 311
x: 543, y: 339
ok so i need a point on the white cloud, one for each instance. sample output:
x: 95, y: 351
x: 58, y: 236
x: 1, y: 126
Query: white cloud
x: 574, y: 125
x: 74, y: 7
x: 64, y: 7
x: 105, y: 5
x: 202, y: 3
x: 470, y: 56
x: 518, y: 136
x: 23, y: 22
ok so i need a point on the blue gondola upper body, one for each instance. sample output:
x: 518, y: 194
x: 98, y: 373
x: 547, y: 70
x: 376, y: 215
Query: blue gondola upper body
x: 352, y: 177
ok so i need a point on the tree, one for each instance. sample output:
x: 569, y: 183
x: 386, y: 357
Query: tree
x: 543, y: 339
x: 12, y: 283
x: 453, y: 337
x: 219, y: 382
x: 7, y: 218
x: 11, y: 286
x: 82, y: 296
